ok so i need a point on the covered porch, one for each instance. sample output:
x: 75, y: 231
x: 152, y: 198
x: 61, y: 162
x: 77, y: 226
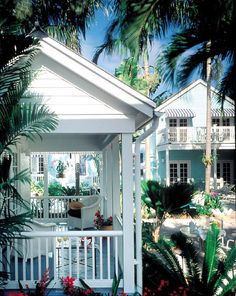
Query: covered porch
x: 99, y: 114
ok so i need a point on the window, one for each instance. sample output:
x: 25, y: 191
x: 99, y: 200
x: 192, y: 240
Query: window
x: 172, y: 122
x: 82, y: 167
x: 178, y: 130
x: 221, y: 121
x: 225, y: 122
x: 183, y: 122
x: 225, y: 171
x: 179, y: 171
x: 173, y: 173
x: 40, y: 165
x: 215, y: 121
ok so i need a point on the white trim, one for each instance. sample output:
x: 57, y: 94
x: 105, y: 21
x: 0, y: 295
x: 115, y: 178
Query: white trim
x: 187, y: 89
x: 231, y: 162
x: 95, y: 68
x: 178, y: 162
x: 88, y: 71
x: 128, y: 219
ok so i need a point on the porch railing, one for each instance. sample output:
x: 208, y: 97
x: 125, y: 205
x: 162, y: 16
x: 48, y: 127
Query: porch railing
x: 220, y: 134
x: 52, y: 208
x: 89, y: 255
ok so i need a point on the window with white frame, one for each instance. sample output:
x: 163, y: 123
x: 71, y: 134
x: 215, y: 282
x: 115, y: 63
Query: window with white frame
x: 179, y: 171
x: 225, y: 171
x: 178, y: 130
x: 220, y: 121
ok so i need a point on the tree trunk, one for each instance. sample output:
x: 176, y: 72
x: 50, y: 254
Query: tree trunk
x: 208, y: 157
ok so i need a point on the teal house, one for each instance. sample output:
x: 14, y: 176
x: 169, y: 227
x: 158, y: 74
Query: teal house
x: 181, y: 138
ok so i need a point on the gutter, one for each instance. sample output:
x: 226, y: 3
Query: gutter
x: 138, y: 224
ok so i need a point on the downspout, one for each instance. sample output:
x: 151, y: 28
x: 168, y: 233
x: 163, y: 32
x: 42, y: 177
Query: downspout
x: 138, y: 225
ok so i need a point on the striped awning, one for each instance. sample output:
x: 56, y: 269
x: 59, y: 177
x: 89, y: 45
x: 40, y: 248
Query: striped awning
x: 176, y: 113
x: 228, y: 112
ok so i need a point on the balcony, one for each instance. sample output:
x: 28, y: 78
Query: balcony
x: 195, y: 135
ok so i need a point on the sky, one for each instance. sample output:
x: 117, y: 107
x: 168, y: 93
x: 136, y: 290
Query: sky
x: 95, y: 37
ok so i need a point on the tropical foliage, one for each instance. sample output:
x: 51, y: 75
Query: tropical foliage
x: 159, y: 201
x: 67, y: 21
x: 132, y: 74
x: 210, y: 276
x: 18, y: 121
x: 195, y: 22
x: 166, y: 199
x: 212, y: 201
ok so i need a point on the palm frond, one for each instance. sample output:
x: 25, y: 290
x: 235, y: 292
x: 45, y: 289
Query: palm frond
x: 27, y: 120
x: 166, y: 258
x: 224, y: 279
x: 67, y: 35
x: 212, y: 245
x: 228, y: 84
x: 112, y: 43
x: 181, y: 42
x: 189, y: 253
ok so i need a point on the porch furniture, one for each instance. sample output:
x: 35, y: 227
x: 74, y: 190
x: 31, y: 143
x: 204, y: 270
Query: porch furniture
x: 82, y: 215
x: 29, y: 248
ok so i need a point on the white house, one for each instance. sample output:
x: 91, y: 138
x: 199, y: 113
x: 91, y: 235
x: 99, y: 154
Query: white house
x: 181, y: 137
x: 97, y: 113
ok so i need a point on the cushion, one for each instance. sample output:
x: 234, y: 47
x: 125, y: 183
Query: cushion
x: 76, y: 205
x: 75, y: 213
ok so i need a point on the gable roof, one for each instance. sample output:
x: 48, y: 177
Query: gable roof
x: 183, y: 91
x: 93, y: 80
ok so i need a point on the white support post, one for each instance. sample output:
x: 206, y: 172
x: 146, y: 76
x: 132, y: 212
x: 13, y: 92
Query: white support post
x: 116, y: 178
x: 45, y: 194
x: 128, y: 227
x: 104, y: 181
x: 215, y: 167
x: 109, y: 181
x: 167, y: 167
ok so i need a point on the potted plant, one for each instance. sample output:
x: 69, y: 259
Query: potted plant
x: 101, y: 223
x: 61, y: 167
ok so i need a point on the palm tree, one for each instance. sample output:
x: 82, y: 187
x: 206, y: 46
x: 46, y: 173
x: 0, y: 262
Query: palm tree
x: 18, y: 121
x: 67, y: 21
x: 211, y: 275
x: 204, y: 31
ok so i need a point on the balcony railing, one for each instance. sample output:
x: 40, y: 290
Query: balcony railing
x: 189, y: 135
x: 89, y: 255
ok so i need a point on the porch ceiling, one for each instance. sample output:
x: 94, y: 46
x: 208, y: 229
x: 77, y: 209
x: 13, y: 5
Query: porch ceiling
x: 71, y: 142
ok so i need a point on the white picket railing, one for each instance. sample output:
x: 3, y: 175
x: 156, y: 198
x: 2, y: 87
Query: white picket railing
x: 220, y: 134
x: 52, y: 208
x: 89, y: 255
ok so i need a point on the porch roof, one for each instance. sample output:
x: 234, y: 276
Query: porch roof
x: 91, y: 104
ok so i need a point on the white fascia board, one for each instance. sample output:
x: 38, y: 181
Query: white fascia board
x: 95, y: 125
x: 187, y: 89
x: 178, y: 94
x: 99, y: 77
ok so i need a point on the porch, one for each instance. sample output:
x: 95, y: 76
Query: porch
x: 92, y: 255
x: 96, y: 112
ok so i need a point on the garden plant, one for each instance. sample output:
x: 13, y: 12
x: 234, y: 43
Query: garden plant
x: 211, y: 275
x: 159, y: 201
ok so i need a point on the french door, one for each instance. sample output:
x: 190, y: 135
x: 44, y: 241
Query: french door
x: 179, y: 171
